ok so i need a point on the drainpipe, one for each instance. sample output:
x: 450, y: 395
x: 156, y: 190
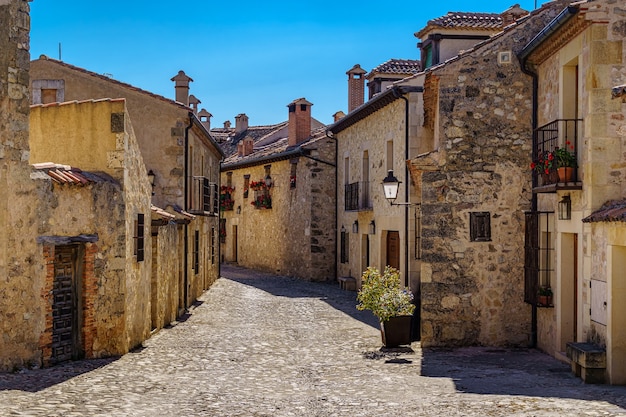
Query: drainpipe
x: 398, y: 94
x: 331, y: 136
x: 186, y: 208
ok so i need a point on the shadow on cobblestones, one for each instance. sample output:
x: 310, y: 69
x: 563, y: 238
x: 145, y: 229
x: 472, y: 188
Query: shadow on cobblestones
x: 34, y: 380
x: 329, y: 292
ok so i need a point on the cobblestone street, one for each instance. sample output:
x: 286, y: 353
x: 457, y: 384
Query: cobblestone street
x: 260, y: 345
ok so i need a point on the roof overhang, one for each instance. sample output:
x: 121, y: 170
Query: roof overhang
x: 370, y: 107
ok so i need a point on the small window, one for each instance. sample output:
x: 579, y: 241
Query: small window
x: 480, y: 226
x: 214, y: 243
x: 196, y: 252
x: 344, y: 246
x: 139, y: 237
x: 246, y: 185
x: 48, y: 95
x: 292, y: 174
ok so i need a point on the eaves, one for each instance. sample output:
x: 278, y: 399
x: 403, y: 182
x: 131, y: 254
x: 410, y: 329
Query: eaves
x: 370, y: 107
x: 282, y: 156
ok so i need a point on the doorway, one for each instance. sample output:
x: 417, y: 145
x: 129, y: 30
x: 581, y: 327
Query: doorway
x: 393, y: 249
x: 568, y: 299
x: 66, y: 305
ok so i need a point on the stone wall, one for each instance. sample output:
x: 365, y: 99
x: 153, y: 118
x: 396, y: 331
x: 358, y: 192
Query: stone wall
x: 21, y: 318
x: 472, y: 291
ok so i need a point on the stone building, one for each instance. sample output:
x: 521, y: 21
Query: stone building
x: 473, y: 189
x: 277, y: 197
x: 182, y: 161
x: 576, y: 235
x: 94, y: 252
x: 443, y: 37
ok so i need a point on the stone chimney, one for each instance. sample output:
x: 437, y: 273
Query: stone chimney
x: 241, y: 123
x: 181, y: 84
x: 245, y: 147
x: 205, y: 119
x: 193, y: 103
x: 356, y: 87
x: 227, y: 124
x: 338, y: 116
x: 299, y: 121
x: 511, y: 14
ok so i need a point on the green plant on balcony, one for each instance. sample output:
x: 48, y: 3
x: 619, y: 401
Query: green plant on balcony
x: 263, y: 200
x: 564, y: 156
x: 226, y: 201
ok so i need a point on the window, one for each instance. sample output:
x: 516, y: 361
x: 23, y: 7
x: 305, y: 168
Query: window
x: 346, y: 170
x: 344, y: 246
x: 292, y: 174
x: 214, y: 243
x: 222, y: 230
x: 48, y: 91
x: 139, y: 238
x: 418, y: 232
x: 390, y: 155
x: 246, y: 185
x: 539, y: 254
x: 196, y: 252
x: 480, y: 226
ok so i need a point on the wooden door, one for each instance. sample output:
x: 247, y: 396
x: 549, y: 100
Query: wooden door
x: 65, y: 309
x: 393, y: 249
x: 235, y: 254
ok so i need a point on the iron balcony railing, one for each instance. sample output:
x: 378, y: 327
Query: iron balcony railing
x: 560, y: 137
x: 357, y: 196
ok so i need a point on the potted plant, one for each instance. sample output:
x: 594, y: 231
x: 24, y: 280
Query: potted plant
x: 565, y: 162
x: 544, y: 296
x: 392, y: 304
x: 559, y: 162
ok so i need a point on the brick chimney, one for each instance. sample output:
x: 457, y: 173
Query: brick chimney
x: 205, y: 119
x: 193, y: 103
x: 181, y: 84
x: 241, y: 123
x: 356, y: 87
x: 338, y: 116
x: 245, y: 147
x: 299, y: 121
x: 511, y: 14
x: 227, y: 124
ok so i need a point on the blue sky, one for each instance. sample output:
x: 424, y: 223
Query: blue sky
x: 252, y: 57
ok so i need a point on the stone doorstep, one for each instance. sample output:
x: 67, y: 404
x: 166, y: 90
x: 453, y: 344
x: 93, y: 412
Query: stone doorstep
x: 347, y: 283
x: 588, y: 362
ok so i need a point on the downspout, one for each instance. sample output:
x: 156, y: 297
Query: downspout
x: 186, y: 208
x: 398, y: 94
x: 533, y: 202
x: 331, y: 136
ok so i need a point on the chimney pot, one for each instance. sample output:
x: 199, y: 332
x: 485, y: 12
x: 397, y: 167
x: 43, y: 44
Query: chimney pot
x: 356, y: 87
x: 205, y: 119
x: 299, y: 127
x: 181, y: 84
x: 241, y: 123
x: 193, y: 103
x: 227, y: 124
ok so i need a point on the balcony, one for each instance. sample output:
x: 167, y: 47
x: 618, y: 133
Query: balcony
x: 551, y: 140
x: 357, y: 196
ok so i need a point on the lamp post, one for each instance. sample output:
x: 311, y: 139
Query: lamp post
x: 151, y: 178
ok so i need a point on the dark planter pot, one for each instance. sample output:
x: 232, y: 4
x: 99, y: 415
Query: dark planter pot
x: 396, y: 331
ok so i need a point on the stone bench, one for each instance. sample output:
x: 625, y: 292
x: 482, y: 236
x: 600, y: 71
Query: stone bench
x: 347, y: 283
x: 588, y: 362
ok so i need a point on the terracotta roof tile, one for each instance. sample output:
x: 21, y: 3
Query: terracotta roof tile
x: 397, y: 66
x: 611, y: 211
x: 465, y: 20
x: 65, y: 174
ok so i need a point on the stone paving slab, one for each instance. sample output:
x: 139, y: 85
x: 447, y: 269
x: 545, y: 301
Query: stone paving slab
x: 261, y: 345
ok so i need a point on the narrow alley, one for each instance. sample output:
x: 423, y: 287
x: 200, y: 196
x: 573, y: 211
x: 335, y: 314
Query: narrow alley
x: 262, y: 345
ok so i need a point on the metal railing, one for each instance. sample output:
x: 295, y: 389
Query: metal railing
x: 357, y: 196
x: 559, y: 134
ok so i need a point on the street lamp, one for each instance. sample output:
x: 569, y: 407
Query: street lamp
x: 390, y: 186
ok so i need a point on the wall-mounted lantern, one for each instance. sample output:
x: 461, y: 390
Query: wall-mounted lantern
x: 238, y: 209
x: 390, y: 187
x: 355, y: 227
x: 565, y: 208
x: 372, y: 230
